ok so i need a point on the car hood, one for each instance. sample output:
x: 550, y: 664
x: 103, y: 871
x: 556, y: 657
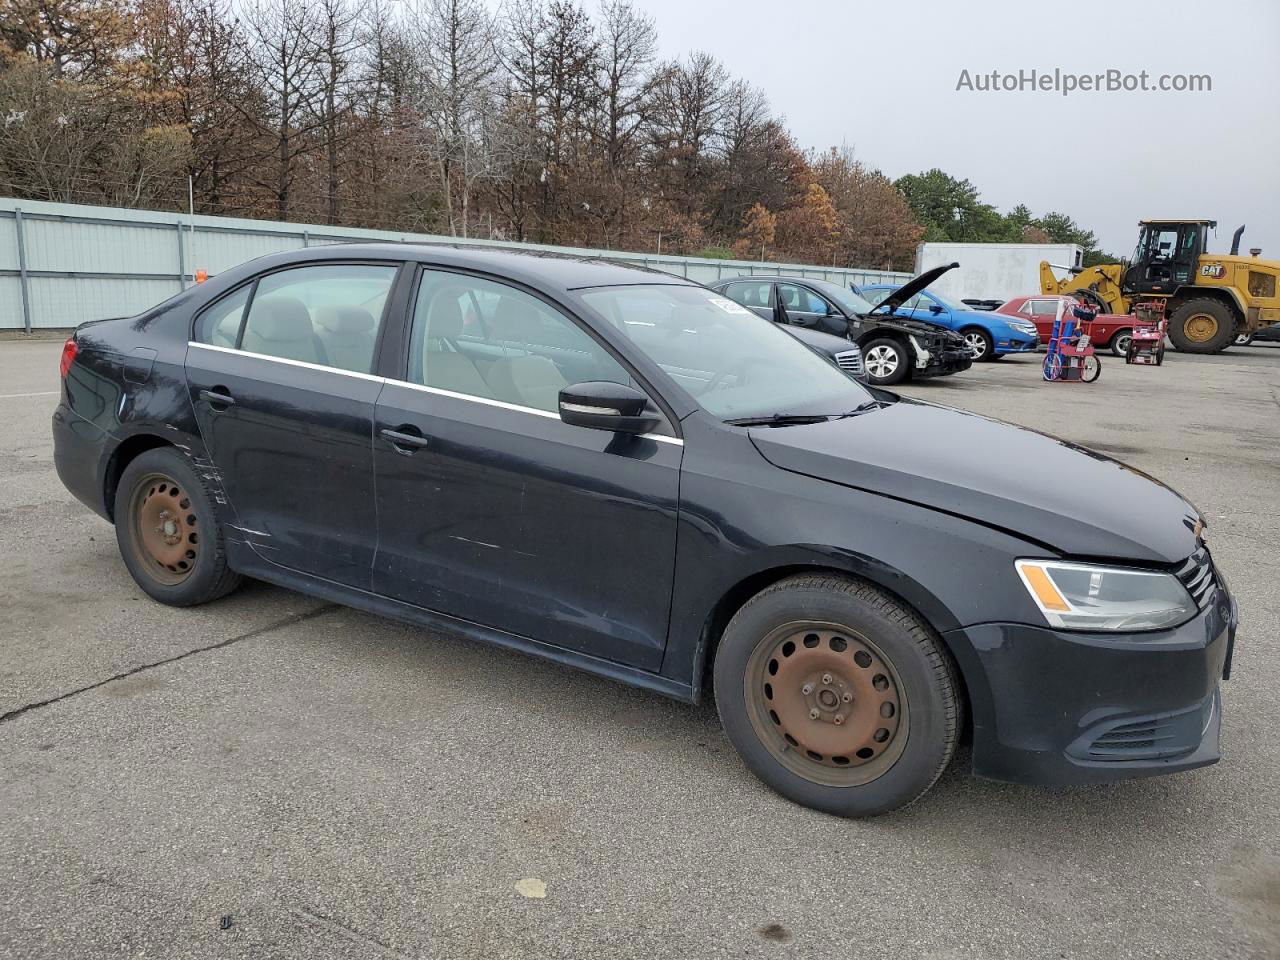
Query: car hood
x: 914, y: 286
x: 1033, y: 485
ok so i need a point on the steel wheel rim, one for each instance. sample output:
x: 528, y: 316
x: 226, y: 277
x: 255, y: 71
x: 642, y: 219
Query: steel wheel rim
x: 1122, y: 343
x: 977, y: 344
x: 827, y: 703
x: 881, y: 361
x: 1201, y: 327
x: 1242, y: 339
x: 166, y: 541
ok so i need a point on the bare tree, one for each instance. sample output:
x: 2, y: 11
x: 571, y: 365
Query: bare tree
x: 338, y: 46
x: 455, y: 63
x: 288, y: 69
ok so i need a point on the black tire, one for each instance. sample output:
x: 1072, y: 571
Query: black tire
x: 872, y: 357
x: 1203, y: 325
x: 1120, y: 341
x: 194, y: 566
x: 1091, y: 368
x: 1094, y: 299
x: 923, y: 677
x: 979, y: 343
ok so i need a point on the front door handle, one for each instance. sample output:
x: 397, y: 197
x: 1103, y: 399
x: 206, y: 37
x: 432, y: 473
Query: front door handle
x: 218, y: 398
x: 405, y: 438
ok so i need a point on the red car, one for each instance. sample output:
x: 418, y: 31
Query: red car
x: 1111, y: 330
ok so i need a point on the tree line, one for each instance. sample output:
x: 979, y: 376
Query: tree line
x: 535, y: 121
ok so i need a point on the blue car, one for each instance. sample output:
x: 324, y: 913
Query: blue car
x: 989, y: 336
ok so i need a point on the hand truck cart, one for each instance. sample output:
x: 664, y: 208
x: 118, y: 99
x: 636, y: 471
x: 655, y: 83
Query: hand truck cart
x: 1070, y: 356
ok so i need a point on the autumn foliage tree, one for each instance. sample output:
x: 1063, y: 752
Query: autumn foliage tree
x: 537, y: 120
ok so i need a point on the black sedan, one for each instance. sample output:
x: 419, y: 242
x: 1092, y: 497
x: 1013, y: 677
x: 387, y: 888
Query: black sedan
x: 628, y: 473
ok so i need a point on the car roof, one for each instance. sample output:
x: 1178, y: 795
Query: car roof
x: 553, y: 270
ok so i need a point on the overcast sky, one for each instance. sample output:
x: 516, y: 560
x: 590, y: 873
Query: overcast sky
x: 882, y: 77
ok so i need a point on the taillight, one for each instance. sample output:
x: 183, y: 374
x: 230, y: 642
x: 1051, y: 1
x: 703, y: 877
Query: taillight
x: 69, y: 351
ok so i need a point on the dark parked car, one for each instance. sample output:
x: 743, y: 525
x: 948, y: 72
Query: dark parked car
x: 1269, y: 334
x: 893, y: 348
x: 628, y: 473
x: 846, y: 354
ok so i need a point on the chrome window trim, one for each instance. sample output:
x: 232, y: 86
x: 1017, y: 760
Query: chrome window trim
x: 293, y: 363
x: 501, y: 404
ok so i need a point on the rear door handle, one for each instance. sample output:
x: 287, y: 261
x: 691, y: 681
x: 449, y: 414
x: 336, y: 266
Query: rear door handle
x: 218, y: 397
x: 405, y: 438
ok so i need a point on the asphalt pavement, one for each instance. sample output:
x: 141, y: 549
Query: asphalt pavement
x: 274, y: 776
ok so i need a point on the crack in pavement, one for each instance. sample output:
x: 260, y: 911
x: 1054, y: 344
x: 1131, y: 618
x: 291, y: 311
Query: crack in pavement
x: 348, y: 931
x: 283, y: 622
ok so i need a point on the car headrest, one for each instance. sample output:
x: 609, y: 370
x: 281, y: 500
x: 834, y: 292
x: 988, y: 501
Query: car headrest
x: 510, y: 319
x: 281, y: 318
x: 444, y: 319
x: 346, y: 320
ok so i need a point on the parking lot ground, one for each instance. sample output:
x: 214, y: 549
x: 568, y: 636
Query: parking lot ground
x: 272, y: 776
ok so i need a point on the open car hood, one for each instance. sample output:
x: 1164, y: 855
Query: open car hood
x: 914, y: 286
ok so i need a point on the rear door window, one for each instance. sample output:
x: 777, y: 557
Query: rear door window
x: 219, y: 325
x: 326, y: 314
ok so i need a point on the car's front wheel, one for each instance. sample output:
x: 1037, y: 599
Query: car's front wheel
x: 979, y: 343
x: 837, y: 696
x: 1242, y: 340
x: 167, y: 532
x: 885, y: 360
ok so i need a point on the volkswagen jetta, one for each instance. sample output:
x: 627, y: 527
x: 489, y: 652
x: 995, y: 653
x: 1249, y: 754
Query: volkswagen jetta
x: 631, y: 474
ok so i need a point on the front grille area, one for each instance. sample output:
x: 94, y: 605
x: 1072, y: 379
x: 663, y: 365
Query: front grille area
x: 1198, y: 576
x: 850, y: 361
x: 1155, y: 737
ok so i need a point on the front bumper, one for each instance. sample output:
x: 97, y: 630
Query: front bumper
x: 1017, y: 345
x: 1056, y: 707
x: 944, y: 362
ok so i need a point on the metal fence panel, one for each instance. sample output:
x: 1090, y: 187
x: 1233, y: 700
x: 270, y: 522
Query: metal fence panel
x: 86, y: 263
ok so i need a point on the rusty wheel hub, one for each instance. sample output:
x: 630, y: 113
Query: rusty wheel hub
x: 827, y: 702
x: 166, y: 537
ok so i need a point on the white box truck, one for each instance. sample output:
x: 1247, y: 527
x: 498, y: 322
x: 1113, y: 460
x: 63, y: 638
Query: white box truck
x: 994, y: 271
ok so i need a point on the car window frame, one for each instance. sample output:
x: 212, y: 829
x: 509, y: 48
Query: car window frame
x: 397, y: 282
x: 831, y: 311
x: 394, y: 359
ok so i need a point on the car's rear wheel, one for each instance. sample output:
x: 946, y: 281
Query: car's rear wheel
x: 837, y: 696
x: 885, y: 361
x: 979, y: 343
x: 1242, y: 340
x: 1120, y: 341
x: 167, y: 533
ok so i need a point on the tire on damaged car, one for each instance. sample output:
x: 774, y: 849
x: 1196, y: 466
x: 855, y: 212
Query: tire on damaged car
x: 837, y: 696
x: 168, y: 535
x: 886, y: 361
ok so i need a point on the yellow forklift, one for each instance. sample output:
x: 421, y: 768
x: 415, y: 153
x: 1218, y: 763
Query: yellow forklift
x: 1211, y: 299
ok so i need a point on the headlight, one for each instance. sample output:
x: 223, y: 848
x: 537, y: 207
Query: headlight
x: 1024, y: 327
x: 1081, y: 596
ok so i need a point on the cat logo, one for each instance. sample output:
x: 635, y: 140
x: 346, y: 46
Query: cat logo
x: 1215, y: 271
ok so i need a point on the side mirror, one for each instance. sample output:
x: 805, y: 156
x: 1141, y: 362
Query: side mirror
x: 935, y: 308
x: 602, y: 405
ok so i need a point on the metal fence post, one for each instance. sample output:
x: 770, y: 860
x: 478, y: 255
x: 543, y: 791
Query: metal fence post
x: 182, y: 260
x: 306, y: 239
x: 22, y: 272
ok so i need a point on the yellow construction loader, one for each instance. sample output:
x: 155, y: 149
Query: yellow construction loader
x: 1211, y: 299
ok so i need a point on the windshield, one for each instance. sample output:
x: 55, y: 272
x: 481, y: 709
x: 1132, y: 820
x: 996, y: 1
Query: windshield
x: 949, y: 304
x: 736, y: 364
x: 843, y: 297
